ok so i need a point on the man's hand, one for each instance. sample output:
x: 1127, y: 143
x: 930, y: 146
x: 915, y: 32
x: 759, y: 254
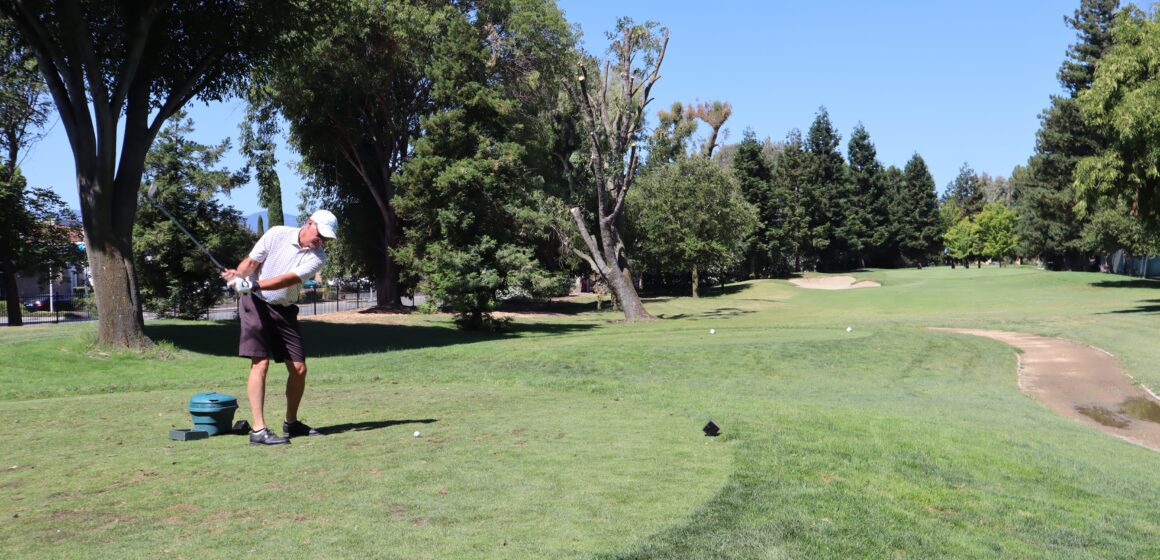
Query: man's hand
x: 241, y: 285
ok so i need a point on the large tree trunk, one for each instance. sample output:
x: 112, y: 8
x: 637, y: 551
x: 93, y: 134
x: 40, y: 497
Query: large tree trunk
x: 389, y: 295
x: 12, y: 292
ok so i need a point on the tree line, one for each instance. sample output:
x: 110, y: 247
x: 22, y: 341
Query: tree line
x: 477, y: 154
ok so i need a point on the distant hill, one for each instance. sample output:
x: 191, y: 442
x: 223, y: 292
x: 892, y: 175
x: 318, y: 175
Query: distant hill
x: 252, y: 220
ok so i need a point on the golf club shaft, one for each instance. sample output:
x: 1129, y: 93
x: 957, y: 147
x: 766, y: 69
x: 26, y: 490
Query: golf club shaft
x: 186, y: 231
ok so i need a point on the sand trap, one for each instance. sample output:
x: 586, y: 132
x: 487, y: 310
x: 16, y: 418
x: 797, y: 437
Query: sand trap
x: 1082, y: 383
x: 833, y: 283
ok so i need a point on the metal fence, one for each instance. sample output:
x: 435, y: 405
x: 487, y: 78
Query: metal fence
x: 312, y: 302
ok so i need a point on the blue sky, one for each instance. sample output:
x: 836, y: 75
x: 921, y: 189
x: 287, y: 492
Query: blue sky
x: 956, y: 82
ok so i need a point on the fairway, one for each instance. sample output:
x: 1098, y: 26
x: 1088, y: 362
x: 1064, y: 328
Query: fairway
x: 849, y: 430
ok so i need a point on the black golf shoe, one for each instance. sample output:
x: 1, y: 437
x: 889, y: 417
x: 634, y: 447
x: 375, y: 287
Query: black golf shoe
x: 266, y: 437
x: 298, y: 429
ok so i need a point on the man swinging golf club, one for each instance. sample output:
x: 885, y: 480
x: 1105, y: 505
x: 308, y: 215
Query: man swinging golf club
x: 267, y: 282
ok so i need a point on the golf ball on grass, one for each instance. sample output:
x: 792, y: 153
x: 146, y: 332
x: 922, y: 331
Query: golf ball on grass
x: 712, y: 331
x: 849, y: 329
x: 417, y: 434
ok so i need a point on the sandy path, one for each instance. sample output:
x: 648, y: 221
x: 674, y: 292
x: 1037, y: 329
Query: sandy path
x: 833, y: 283
x: 1082, y: 383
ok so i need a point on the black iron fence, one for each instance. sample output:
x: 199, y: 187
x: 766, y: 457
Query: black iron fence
x: 313, y: 301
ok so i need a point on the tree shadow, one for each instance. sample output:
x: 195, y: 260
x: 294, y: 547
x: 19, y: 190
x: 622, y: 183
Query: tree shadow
x: 1149, y: 306
x: 712, y: 314
x: 372, y: 425
x: 1126, y: 283
x: 342, y: 339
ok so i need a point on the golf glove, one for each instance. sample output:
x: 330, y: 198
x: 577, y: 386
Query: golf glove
x: 242, y: 285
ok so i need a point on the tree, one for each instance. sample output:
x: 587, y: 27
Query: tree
x: 612, y: 116
x: 967, y: 191
x: 38, y: 235
x: 175, y: 278
x: 830, y: 195
x: 353, y: 98
x: 468, y: 192
x: 671, y: 137
x: 997, y: 231
x: 257, y: 137
x: 866, y: 216
x: 789, y: 195
x: 919, y: 231
x: 1113, y: 229
x: 1122, y: 104
x: 714, y: 114
x: 117, y: 71
x: 754, y: 175
x: 689, y: 216
x: 24, y: 109
x: 1050, y: 228
x: 962, y: 241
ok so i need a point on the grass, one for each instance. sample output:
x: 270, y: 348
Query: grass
x: 576, y: 437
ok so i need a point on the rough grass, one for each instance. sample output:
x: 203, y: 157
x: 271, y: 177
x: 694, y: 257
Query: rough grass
x: 575, y: 437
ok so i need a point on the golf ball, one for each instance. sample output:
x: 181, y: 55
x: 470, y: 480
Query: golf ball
x: 849, y: 329
x: 417, y: 434
x: 712, y: 331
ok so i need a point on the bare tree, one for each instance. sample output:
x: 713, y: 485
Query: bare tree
x: 714, y: 114
x: 613, y: 118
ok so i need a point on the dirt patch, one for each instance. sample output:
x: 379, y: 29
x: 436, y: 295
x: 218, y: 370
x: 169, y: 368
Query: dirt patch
x: 1083, y: 383
x: 833, y: 283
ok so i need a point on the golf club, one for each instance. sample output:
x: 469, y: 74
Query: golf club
x: 153, y: 191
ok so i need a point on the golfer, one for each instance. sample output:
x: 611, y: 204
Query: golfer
x: 268, y: 282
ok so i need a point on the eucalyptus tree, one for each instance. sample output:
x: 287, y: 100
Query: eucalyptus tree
x: 117, y: 70
x: 611, y: 109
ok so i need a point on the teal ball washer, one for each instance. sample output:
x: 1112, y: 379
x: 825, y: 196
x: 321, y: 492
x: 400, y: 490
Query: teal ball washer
x: 213, y: 413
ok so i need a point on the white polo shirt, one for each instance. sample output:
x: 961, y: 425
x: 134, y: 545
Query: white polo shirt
x: 278, y: 252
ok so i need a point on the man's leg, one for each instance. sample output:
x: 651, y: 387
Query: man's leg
x: 256, y: 388
x: 295, y: 388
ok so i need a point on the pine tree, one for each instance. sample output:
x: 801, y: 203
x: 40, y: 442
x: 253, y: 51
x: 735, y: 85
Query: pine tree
x: 867, y: 216
x: 829, y: 194
x: 967, y: 191
x: 920, y: 233
x: 789, y: 232
x: 1048, y: 225
x: 755, y: 174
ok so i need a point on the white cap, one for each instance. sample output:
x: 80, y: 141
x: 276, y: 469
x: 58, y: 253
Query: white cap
x: 326, y: 223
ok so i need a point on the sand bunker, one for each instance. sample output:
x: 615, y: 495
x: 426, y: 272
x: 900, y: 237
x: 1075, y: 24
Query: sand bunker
x: 833, y: 283
x: 1083, y: 383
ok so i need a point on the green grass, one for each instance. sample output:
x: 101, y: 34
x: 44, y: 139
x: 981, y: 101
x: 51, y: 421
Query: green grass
x: 577, y: 437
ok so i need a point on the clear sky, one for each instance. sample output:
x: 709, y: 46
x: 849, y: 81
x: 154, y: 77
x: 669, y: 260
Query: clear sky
x: 956, y: 82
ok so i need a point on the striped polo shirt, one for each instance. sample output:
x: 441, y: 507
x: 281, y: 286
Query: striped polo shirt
x: 278, y: 252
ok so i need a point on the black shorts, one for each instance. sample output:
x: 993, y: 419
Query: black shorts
x: 269, y: 331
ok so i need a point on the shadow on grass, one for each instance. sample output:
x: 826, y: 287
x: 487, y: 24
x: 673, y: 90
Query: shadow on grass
x: 365, y: 426
x: 714, y: 313
x: 1127, y: 283
x: 1150, y: 306
x: 341, y: 339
